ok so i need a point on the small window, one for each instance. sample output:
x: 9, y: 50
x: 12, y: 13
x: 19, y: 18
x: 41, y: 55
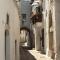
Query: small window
x: 7, y: 22
x: 23, y: 16
x: 38, y: 9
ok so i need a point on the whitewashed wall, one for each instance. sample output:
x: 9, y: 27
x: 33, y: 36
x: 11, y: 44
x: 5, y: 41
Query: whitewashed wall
x: 8, y: 7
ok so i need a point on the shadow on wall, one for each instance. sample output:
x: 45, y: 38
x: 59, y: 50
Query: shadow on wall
x: 25, y: 55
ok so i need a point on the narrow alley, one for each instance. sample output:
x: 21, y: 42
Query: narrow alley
x: 29, y: 30
x: 33, y: 44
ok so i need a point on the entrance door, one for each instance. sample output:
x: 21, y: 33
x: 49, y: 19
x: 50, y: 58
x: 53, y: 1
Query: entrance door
x: 7, y: 45
x: 50, y: 31
x: 51, y: 40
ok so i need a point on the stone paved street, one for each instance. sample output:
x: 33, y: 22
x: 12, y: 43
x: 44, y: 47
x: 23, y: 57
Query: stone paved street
x: 32, y: 55
x: 25, y: 55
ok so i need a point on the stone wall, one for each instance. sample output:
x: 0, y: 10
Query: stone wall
x: 52, y: 6
x: 8, y: 7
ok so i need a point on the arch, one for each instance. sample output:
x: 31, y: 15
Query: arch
x: 25, y: 28
x: 28, y: 36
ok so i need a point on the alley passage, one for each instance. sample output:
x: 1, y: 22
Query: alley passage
x: 32, y: 55
x: 25, y: 55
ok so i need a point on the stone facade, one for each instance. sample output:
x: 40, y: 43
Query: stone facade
x: 9, y: 30
x: 51, y: 24
x: 37, y: 21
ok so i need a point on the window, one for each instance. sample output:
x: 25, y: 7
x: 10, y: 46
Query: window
x: 24, y: 16
x: 38, y: 9
x: 7, y: 22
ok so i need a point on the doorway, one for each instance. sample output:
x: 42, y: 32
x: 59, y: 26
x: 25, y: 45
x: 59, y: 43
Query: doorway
x: 51, y: 40
x: 15, y: 49
x: 7, y: 45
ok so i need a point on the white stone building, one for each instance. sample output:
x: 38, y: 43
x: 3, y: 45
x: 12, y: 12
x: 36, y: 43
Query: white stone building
x: 52, y: 29
x: 37, y: 21
x: 9, y: 30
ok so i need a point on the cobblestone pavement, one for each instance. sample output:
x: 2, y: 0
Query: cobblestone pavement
x: 32, y: 55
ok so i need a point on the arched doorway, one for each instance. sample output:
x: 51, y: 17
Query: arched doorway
x: 25, y: 37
